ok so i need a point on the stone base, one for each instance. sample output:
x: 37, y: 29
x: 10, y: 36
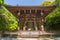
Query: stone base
x: 29, y: 33
x: 32, y: 34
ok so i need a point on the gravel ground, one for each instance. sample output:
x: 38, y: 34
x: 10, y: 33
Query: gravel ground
x: 29, y: 39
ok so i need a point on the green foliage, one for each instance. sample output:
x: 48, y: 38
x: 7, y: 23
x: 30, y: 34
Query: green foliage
x: 58, y: 2
x: 52, y: 21
x: 7, y: 20
x: 1, y: 2
x: 47, y: 3
x: 30, y: 25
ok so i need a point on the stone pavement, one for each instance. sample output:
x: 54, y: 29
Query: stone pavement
x: 29, y: 39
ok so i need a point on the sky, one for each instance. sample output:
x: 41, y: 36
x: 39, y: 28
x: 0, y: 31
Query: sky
x: 24, y: 2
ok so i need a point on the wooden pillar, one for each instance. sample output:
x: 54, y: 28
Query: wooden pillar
x: 35, y: 25
x: 18, y: 20
x: 24, y: 28
x: 30, y: 11
x: 18, y: 23
x: 42, y: 26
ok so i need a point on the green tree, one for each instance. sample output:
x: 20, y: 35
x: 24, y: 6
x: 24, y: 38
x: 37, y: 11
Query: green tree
x: 52, y: 21
x: 1, y: 2
x: 7, y: 20
x: 47, y: 3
